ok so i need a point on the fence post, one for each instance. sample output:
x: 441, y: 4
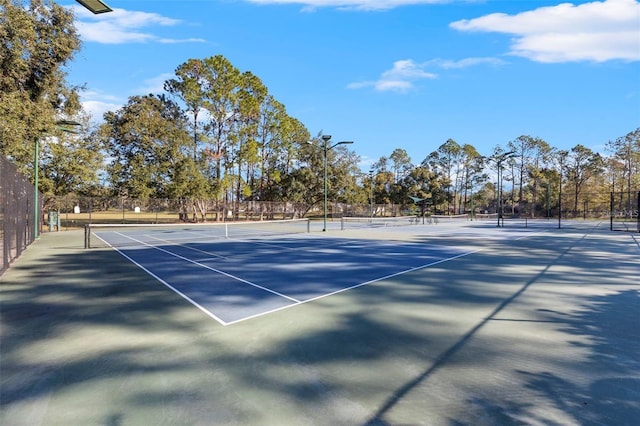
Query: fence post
x: 611, y: 213
x: 638, y: 210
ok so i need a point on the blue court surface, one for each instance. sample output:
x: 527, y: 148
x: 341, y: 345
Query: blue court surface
x: 234, y: 280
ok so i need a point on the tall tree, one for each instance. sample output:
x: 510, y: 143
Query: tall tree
x: 188, y: 87
x: 423, y: 183
x: 446, y: 161
x: 37, y: 40
x: 473, y: 164
x: 70, y: 162
x: 147, y: 140
x: 251, y: 97
x: 523, y: 147
x: 582, y: 165
x: 383, y: 180
x: 538, y: 165
x: 221, y: 83
x: 279, y: 138
x: 626, y: 155
x: 400, y: 163
x: 504, y: 172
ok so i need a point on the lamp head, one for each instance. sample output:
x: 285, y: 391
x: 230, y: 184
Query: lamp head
x: 326, y: 138
x: 95, y: 6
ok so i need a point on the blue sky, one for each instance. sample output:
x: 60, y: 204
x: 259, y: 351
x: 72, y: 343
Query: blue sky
x: 390, y: 74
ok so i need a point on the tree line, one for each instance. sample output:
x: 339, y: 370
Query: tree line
x: 218, y: 134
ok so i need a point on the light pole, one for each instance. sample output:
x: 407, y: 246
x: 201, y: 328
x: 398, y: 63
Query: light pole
x: 371, y: 191
x: 326, y: 148
x: 62, y: 125
x: 499, y: 159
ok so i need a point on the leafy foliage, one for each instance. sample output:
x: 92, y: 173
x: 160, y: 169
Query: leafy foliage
x: 146, y: 141
x: 36, y: 42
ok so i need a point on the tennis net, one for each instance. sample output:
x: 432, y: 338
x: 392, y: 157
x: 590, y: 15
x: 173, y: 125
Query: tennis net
x: 449, y: 218
x: 364, y: 222
x: 118, y: 235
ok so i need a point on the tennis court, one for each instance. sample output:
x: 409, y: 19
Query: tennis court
x: 235, y: 278
x: 425, y: 324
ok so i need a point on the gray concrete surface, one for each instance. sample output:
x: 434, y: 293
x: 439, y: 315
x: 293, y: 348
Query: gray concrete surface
x: 539, y: 327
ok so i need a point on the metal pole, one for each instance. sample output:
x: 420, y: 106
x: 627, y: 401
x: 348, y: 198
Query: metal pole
x: 638, y: 210
x: 36, y: 212
x: 611, y: 212
x: 324, y: 229
x: 560, y: 193
x: 499, y: 194
x: 326, y: 148
x: 499, y: 159
x: 371, y: 191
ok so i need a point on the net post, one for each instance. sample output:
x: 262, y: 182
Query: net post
x: 308, y: 226
x: 342, y: 223
x: 87, y: 233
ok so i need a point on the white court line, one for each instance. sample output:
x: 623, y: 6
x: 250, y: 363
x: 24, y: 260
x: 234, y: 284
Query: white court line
x: 295, y: 301
x: 417, y: 268
x: 178, y: 292
x: 281, y: 248
x: 185, y: 246
x: 212, y: 269
x: 218, y: 239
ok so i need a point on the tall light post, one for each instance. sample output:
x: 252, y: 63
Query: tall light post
x: 326, y: 148
x: 499, y: 159
x: 371, y: 190
x: 65, y: 126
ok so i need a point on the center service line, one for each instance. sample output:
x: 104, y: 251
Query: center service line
x: 212, y: 269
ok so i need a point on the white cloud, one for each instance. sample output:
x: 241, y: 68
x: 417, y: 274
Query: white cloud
x: 351, y: 4
x: 97, y: 108
x: 96, y: 103
x: 404, y: 73
x: 180, y: 40
x: 123, y: 26
x: 464, y: 63
x: 400, y: 78
x: 598, y: 31
x: 155, y: 84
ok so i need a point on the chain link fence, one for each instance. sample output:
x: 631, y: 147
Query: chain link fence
x: 625, y: 209
x: 66, y: 212
x: 69, y: 212
x: 73, y: 212
x: 620, y: 209
x: 17, y: 213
